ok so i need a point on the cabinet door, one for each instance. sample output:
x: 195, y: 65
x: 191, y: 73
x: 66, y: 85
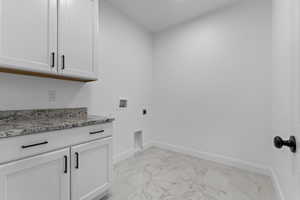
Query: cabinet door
x: 44, y: 177
x: 91, y: 172
x: 28, y: 35
x: 77, y: 25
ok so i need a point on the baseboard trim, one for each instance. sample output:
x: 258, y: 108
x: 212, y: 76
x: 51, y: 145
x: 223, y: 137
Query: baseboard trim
x: 276, y: 185
x: 229, y: 161
x: 123, y: 156
x: 129, y: 153
x: 260, y: 169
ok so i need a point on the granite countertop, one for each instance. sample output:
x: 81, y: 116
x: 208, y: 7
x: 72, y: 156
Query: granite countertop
x: 27, y: 122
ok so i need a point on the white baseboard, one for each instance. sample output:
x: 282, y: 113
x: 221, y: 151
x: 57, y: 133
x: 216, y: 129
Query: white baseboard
x: 123, y: 156
x: 233, y: 162
x: 229, y: 161
x: 127, y: 154
x: 276, y: 185
x: 260, y: 169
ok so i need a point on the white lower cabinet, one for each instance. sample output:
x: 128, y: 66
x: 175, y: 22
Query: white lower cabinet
x: 91, y: 169
x: 43, y: 177
x: 81, y: 172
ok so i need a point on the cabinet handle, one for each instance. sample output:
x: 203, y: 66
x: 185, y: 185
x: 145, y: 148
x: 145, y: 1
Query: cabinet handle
x: 77, y: 160
x: 66, y: 164
x: 63, y: 62
x: 52, y: 59
x: 34, y: 145
x: 96, y: 132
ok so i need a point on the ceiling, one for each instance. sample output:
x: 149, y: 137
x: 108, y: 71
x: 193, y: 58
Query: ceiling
x: 157, y: 15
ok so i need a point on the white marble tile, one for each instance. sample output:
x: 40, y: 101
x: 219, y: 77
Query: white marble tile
x: 157, y: 174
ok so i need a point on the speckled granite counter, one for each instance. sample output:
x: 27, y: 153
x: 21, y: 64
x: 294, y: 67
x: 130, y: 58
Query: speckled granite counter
x: 26, y: 122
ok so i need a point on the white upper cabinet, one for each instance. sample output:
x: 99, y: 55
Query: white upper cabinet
x: 54, y: 37
x: 28, y: 31
x: 77, y: 25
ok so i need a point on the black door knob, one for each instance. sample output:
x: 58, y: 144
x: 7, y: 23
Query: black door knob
x: 291, y: 143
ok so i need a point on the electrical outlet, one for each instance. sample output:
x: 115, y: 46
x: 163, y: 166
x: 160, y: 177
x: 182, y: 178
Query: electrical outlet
x: 51, y: 95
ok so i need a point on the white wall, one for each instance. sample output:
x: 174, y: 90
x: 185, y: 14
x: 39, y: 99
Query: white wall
x: 125, y: 71
x: 212, y: 83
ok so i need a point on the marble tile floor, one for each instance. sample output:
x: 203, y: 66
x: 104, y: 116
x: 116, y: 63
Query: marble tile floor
x: 158, y: 174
